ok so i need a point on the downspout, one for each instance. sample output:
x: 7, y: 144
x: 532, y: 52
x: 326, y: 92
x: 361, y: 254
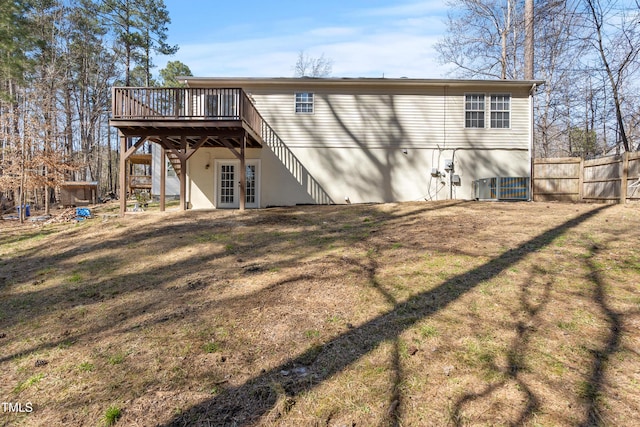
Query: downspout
x: 444, y: 138
x: 453, y: 161
x: 444, y: 117
x: 531, y: 145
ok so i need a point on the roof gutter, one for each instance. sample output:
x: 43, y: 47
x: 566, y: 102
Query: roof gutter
x: 359, y: 81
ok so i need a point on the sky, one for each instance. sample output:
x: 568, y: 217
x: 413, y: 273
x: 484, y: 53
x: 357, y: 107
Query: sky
x: 262, y: 38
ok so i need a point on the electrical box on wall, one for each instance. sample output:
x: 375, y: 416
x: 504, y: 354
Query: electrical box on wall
x: 455, y: 180
x: 448, y: 165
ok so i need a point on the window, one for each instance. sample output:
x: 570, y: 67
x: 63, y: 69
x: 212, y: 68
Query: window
x: 221, y: 105
x: 251, y: 185
x: 474, y: 111
x: 304, y: 102
x: 500, y: 107
x: 227, y: 184
x: 211, y: 105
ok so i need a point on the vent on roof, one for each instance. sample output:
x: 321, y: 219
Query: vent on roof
x: 502, y: 188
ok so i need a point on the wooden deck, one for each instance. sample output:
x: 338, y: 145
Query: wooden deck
x: 181, y: 121
x: 175, y: 116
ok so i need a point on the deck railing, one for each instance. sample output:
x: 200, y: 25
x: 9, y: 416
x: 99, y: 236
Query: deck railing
x: 140, y: 181
x: 132, y: 103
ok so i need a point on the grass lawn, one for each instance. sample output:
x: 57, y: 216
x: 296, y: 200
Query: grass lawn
x: 409, y: 314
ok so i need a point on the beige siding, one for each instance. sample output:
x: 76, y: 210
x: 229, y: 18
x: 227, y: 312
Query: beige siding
x: 356, y: 120
x: 365, y: 118
x: 201, y: 179
x: 381, y: 175
x: 319, y: 175
x: 375, y: 143
x: 516, y: 137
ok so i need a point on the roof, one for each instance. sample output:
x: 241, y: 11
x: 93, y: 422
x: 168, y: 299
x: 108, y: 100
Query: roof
x: 349, y: 81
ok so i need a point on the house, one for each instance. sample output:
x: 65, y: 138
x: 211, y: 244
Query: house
x: 287, y: 141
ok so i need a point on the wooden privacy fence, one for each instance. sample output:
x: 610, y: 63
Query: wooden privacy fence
x: 607, y: 179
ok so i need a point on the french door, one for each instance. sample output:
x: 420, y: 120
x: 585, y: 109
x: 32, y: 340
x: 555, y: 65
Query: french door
x: 228, y: 184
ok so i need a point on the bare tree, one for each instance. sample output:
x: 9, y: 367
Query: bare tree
x: 587, y: 51
x: 618, y: 47
x: 29, y: 164
x: 59, y: 60
x: 558, y: 52
x: 528, y: 40
x: 483, y: 38
x: 307, y: 66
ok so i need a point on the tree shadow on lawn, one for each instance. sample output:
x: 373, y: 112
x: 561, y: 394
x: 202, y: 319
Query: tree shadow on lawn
x: 37, y: 302
x: 245, y: 404
x: 515, y: 358
x: 593, y: 386
x: 591, y: 389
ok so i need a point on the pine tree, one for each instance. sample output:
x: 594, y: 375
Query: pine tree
x: 140, y: 28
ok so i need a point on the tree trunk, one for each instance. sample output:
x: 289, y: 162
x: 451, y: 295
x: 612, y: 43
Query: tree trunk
x: 614, y: 85
x: 528, y: 40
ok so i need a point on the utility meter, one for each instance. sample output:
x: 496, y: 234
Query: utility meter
x: 448, y: 165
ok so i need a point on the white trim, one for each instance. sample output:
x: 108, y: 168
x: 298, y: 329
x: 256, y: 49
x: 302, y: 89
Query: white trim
x: 246, y: 82
x: 531, y: 140
x: 491, y: 95
x: 312, y: 102
x: 487, y: 110
x: 465, y: 111
x: 236, y: 200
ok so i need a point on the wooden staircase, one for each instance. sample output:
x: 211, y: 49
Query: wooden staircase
x: 175, y: 162
x: 139, y: 177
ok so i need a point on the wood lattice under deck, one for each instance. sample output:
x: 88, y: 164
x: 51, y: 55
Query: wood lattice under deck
x: 182, y: 120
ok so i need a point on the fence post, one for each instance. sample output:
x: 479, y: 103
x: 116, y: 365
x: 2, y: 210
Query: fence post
x: 532, y: 176
x: 581, y: 181
x: 624, y: 179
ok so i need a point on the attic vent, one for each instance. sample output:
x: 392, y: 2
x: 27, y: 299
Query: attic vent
x: 502, y: 188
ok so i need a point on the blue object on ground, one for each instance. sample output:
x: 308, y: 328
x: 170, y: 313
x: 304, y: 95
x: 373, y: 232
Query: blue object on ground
x: 27, y: 210
x: 83, y: 212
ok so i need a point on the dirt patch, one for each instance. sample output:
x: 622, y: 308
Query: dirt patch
x: 448, y: 313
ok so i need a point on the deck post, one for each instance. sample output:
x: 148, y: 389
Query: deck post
x: 123, y: 174
x: 183, y: 183
x: 142, y: 113
x: 163, y: 177
x: 182, y: 156
x: 243, y: 174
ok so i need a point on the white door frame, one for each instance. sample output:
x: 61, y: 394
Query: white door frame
x: 235, y: 202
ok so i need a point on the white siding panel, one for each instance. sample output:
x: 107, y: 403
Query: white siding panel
x: 426, y: 120
x: 374, y: 144
x: 330, y: 174
x: 172, y: 183
x: 356, y: 120
x: 516, y: 137
x: 201, y: 179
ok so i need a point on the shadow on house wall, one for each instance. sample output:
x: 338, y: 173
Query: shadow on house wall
x: 305, y: 181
